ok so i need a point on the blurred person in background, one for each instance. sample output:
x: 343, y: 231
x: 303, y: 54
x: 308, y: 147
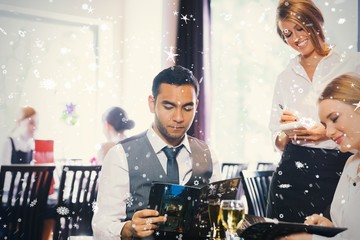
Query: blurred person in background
x: 115, y: 123
x: 18, y: 147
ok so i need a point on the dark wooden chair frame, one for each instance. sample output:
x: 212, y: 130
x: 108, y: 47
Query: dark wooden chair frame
x: 76, y: 201
x: 256, y: 186
x: 24, y: 200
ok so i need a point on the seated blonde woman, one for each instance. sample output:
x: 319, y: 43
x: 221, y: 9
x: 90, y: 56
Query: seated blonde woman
x: 339, y: 110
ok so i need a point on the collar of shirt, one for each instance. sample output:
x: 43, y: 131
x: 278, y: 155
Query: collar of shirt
x: 184, y: 156
x: 352, y: 167
x: 318, y: 74
x: 158, y: 144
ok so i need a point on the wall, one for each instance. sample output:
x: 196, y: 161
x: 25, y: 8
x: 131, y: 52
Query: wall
x: 76, y: 52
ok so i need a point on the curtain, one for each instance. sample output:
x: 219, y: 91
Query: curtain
x: 192, y: 47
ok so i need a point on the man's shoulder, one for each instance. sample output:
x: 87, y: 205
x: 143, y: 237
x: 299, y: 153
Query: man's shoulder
x: 196, y: 140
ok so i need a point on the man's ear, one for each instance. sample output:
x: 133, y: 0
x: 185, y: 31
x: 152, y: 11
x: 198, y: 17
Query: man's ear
x: 151, y: 103
x: 197, y: 103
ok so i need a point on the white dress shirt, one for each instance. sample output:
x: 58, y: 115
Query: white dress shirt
x: 345, y: 207
x: 295, y: 92
x: 114, y: 189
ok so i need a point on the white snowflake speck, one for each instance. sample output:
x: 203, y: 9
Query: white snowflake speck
x: 299, y: 165
x: 129, y: 199
x: 148, y: 221
x: 341, y: 21
x: 3, y: 31
x: 62, y: 210
x: 171, y: 55
x: 33, y: 203
x: 76, y: 225
x: 94, y: 206
x: 22, y: 33
x: 48, y: 84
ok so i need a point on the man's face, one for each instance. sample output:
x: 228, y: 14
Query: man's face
x: 174, y: 110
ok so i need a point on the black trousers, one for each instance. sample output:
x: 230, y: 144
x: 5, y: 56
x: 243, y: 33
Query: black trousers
x: 304, y: 182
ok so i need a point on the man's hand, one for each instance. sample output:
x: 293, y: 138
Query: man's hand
x: 143, y: 224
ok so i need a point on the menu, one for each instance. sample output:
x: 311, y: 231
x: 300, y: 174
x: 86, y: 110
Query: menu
x: 186, y: 207
x: 262, y: 228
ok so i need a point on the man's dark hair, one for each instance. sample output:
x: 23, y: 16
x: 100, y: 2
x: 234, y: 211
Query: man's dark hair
x: 176, y: 75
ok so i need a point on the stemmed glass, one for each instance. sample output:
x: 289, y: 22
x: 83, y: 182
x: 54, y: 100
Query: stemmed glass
x: 232, y: 214
x: 215, y: 219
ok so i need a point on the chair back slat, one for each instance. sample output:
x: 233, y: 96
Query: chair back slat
x: 94, y: 189
x: 266, y: 166
x: 77, y: 196
x: 24, y: 192
x: 232, y: 170
x: 256, y: 186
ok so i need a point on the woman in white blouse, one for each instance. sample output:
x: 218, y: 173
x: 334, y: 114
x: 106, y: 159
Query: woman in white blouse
x: 311, y: 163
x: 339, y: 110
x: 18, y: 147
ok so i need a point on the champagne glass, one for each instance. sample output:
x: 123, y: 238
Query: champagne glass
x: 232, y: 214
x: 215, y: 219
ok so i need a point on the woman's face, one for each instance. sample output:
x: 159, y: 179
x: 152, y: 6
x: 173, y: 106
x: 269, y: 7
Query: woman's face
x: 296, y: 37
x: 342, y: 123
x: 28, y: 126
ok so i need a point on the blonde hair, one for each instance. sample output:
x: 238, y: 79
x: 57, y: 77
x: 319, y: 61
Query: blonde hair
x: 345, y: 88
x: 308, y: 16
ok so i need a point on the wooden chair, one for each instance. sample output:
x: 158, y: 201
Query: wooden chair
x: 232, y: 170
x: 76, y: 201
x: 24, y: 191
x: 265, y: 166
x: 256, y: 186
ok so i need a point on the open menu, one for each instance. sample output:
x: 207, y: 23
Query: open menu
x: 186, y: 207
x: 255, y: 227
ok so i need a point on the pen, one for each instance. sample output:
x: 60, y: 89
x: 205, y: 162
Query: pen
x: 281, y: 106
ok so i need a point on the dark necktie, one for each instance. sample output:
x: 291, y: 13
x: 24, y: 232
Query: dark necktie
x: 172, y: 168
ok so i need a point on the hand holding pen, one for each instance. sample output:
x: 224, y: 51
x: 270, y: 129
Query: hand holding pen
x: 287, y: 116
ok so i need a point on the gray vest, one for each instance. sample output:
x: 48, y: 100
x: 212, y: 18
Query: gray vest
x: 145, y: 168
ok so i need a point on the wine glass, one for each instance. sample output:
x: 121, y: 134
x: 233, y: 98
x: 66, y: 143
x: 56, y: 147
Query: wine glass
x: 215, y: 219
x: 232, y: 214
